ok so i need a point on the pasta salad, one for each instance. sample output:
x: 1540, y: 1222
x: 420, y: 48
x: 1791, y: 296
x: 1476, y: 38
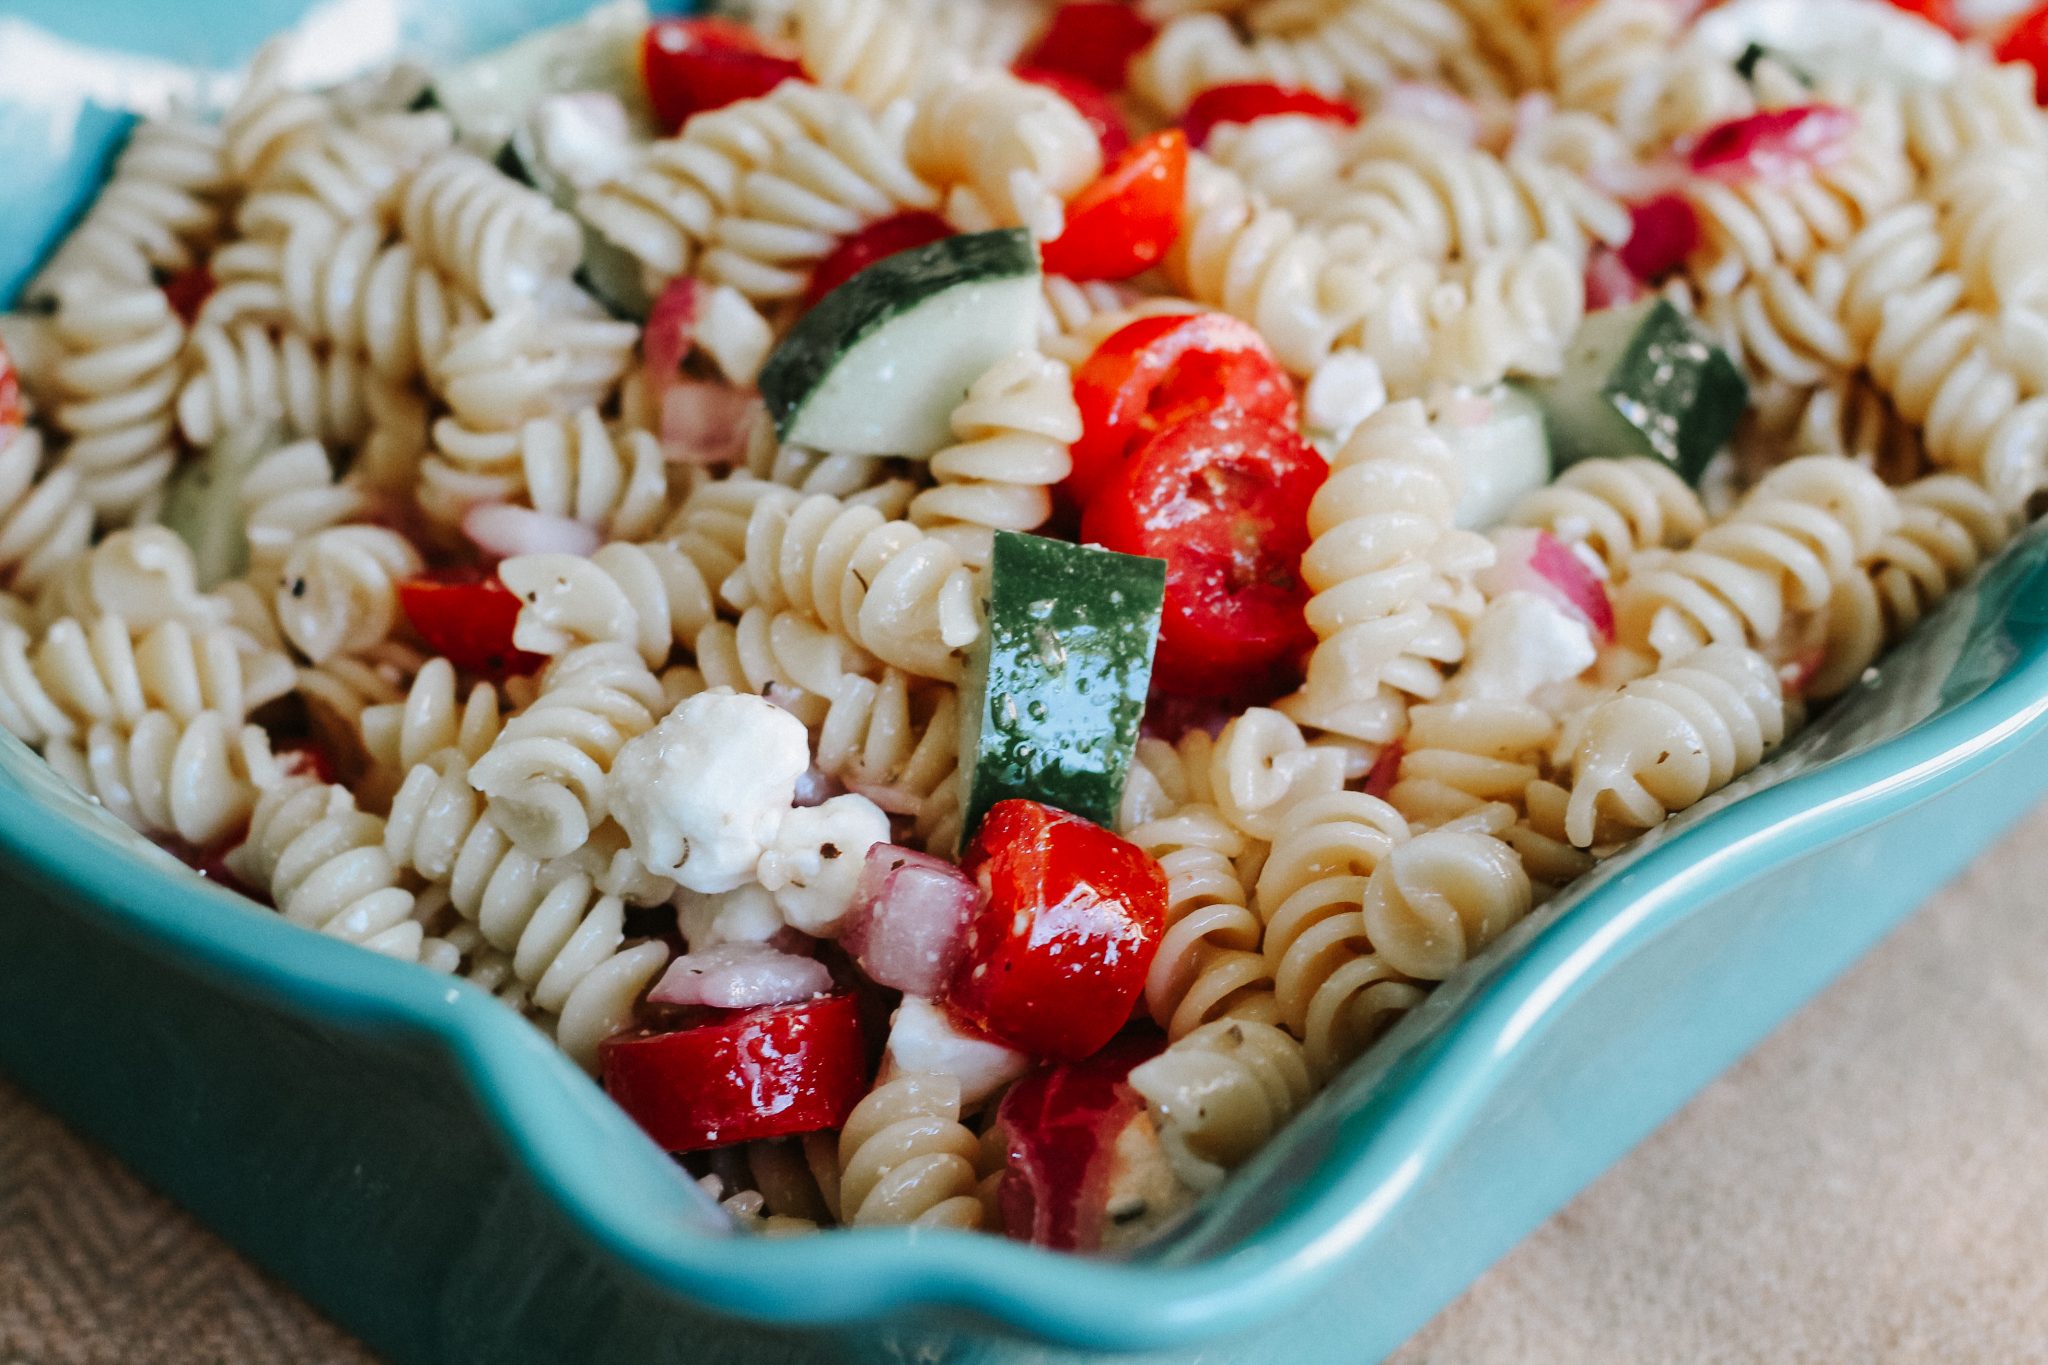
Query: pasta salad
x: 965, y: 602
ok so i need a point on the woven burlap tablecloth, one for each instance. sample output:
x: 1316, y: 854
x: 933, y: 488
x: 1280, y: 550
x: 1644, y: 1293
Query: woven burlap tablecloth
x: 1871, y: 1185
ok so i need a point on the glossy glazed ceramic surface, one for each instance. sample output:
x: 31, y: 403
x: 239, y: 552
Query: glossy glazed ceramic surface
x: 431, y: 1172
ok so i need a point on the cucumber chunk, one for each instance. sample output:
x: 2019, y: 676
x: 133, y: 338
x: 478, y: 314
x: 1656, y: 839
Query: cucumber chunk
x: 877, y: 367
x: 1503, y: 452
x: 488, y: 97
x: 1055, y: 691
x: 1643, y: 380
x: 204, y: 503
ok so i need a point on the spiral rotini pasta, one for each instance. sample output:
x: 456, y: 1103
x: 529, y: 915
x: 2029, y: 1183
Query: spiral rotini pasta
x: 1471, y: 323
x: 246, y: 376
x: 645, y: 596
x: 546, y: 774
x: 1220, y: 1092
x: 402, y: 734
x: 324, y: 865
x: 194, y: 779
x: 288, y: 496
x: 495, y: 237
x: 1261, y: 766
x: 1948, y: 526
x: 144, y: 574
x: 47, y: 523
x: 78, y: 673
x: 895, y: 590
x: 268, y: 117
x: 114, y: 382
x: 1615, y: 508
x: 1011, y: 439
x: 847, y: 170
x: 159, y: 210
x: 1609, y: 56
x: 339, y: 592
x: 1018, y: 149
x: 1665, y: 741
x: 1807, y: 527
x: 569, y: 466
x: 526, y: 362
x: 1982, y: 105
x: 1208, y: 965
x: 1390, y: 575
x: 904, y: 1157
x: 1464, y: 754
x: 1441, y: 897
x: 1334, y: 992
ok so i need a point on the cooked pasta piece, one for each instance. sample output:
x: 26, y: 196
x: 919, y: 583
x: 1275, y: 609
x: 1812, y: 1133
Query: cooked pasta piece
x: 571, y: 466
x: 494, y: 236
x: 160, y: 209
x: 1461, y: 755
x: 904, y: 1157
x: 113, y: 385
x: 47, y: 523
x: 78, y: 673
x: 1011, y: 446
x: 194, y: 780
x: 1261, y: 767
x: 1220, y: 1093
x: 1208, y: 965
x: 1017, y: 150
x: 1440, y: 898
x: 1665, y: 741
x: 146, y: 575
x: 339, y: 592
x: 430, y: 717
x: 647, y: 596
x: 247, y: 376
x: 288, y: 496
x: 1614, y: 508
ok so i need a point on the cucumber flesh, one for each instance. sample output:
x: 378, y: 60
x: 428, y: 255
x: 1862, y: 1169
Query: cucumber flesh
x: 490, y: 96
x: 204, y: 503
x: 877, y: 367
x: 1503, y: 452
x: 1643, y: 380
x: 1055, y: 691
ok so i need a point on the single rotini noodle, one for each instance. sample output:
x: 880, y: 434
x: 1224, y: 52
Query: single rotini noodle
x: 194, y: 780
x: 494, y: 236
x: 289, y: 496
x: 1220, y: 1093
x: 1012, y: 435
x: 159, y: 210
x: 645, y: 596
x: 1441, y: 897
x: 1019, y: 149
x: 47, y: 523
x: 339, y: 593
x: 1208, y: 965
x: 568, y: 466
x: 114, y: 384
x: 1461, y: 755
x: 246, y: 376
x: 79, y: 673
x: 905, y: 1157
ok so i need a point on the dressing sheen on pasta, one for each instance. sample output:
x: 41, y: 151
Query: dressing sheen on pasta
x: 1375, y: 458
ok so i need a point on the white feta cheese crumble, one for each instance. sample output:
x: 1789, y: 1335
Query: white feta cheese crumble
x: 746, y: 914
x: 585, y: 137
x: 814, y: 864
x: 1859, y: 38
x: 923, y: 1038
x: 702, y: 794
x: 1522, y: 642
x: 1344, y: 391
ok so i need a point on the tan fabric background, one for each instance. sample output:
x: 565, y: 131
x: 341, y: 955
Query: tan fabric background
x: 1870, y: 1186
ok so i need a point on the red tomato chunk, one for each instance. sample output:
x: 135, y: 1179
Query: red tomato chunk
x: 1223, y: 499
x: 1124, y: 222
x: 1249, y: 101
x: 1057, y: 953
x: 760, y: 1073
x: 1094, y: 40
x: 469, y: 622
x: 695, y: 65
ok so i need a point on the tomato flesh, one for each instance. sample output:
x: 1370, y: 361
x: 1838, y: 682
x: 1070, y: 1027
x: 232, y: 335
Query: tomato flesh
x: 188, y: 290
x: 1057, y: 952
x: 759, y: 1073
x: 1059, y: 1127
x: 877, y: 240
x: 1663, y: 231
x: 1124, y: 222
x: 2027, y: 41
x: 1094, y: 40
x: 1223, y: 499
x: 1248, y: 101
x: 1774, y: 144
x: 13, y: 412
x: 1091, y: 102
x: 1158, y: 370
x: 468, y: 621
x: 693, y: 65
x: 1940, y: 13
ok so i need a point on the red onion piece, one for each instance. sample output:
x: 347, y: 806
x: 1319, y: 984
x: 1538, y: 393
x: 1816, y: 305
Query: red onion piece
x: 908, y: 925
x: 1664, y: 230
x: 1609, y: 281
x: 1773, y: 144
x: 502, y: 530
x: 706, y: 421
x: 737, y: 976
x: 671, y: 334
x: 1538, y: 562
x: 816, y: 787
x: 1386, y: 770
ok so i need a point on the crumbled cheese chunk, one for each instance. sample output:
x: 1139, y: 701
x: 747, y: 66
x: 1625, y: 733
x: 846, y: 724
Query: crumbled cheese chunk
x: 584, y: 137
x: 924, y: 1038
x: 1344, y: 391
x: 702, y: 794
x: 746, y: 914
x: 814, y: 865
x: 1523, y: 641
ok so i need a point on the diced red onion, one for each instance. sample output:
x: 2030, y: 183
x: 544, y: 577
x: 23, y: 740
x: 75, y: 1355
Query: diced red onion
x: 738, y: 976
x: 1538, y: 562
x: 1663, y: 231
x: 503, y: 529
x: 1609, y: 281
x: 908, y: 925
x: 1773, y: 144
x: 1386, y: 770
x: 671, y: 334
x: 706, y: 421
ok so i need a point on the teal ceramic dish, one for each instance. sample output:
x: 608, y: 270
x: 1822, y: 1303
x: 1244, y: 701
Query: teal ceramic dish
x: 433, y: 1174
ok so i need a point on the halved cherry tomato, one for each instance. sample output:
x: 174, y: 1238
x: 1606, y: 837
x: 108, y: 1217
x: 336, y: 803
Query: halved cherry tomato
x: 1940, y: 13
x: 2027, y: 41
x: 760, y: 1073
x: 1773, y: 144
x: 878, y: 239
x: 188, y: 289
x: 13, y: 412
x: 1092, y: 39
x: 692, y: 65
x: 1092, y: 104
x: 1125, y: 221
x: 1246, y: 101
x: 1157, y: 370
x: 1059, y: 1129
x: 468, y: 621
x: 1223, y: 499
x: 1058, y: 951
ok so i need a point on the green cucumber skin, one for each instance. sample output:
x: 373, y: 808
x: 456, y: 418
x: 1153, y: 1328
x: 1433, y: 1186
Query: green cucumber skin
x: 1670, y: 394
x: 1055, y: 690
x: 876, y: 296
